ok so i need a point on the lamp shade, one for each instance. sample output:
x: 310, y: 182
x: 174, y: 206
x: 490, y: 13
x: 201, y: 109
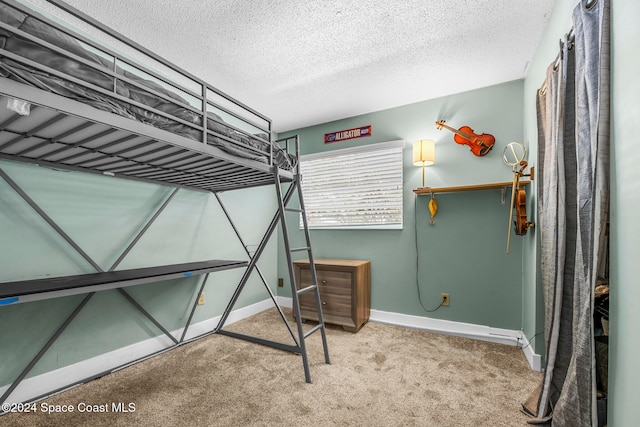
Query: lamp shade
x: 424, y: 152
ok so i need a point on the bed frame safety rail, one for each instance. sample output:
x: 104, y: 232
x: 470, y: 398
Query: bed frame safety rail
x: 218, y: 115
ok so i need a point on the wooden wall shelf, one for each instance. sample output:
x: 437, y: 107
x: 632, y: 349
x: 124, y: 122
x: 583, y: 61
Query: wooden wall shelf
x: 495, y: 185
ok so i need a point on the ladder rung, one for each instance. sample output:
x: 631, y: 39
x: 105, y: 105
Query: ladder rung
x: 293, y: 210
x: 315, y: 328
x: 307, y: 289
x: 306, y: 248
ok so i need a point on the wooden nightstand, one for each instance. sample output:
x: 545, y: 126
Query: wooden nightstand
x: 345, y: 291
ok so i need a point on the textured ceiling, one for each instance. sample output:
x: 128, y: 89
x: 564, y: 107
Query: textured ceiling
x: 308, y: 62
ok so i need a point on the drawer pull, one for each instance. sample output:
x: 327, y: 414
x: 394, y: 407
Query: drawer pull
x: 324, y: 282
x: 324, y: 303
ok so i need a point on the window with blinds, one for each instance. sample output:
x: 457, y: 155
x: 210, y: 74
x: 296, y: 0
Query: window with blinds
x: 354, y: 187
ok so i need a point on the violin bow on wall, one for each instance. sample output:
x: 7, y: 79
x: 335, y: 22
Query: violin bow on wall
x: 480, y: 145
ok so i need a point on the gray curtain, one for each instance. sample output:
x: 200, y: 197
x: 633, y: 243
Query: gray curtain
x: 573, y: 200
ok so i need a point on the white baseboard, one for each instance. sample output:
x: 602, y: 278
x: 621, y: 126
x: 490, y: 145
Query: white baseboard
x: 467, y: 330
x: 535, y: 360
x: 206, y: 326
x: 285, y: 302
x: 47, y: 383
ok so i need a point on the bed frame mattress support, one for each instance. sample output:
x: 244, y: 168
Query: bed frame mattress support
x: 64, y: 133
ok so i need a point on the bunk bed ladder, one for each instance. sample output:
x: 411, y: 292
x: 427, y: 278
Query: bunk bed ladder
x: 313, y: 287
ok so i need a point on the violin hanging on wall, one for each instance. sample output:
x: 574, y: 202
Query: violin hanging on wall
x: 480, y: 145
x: 521, y: 224
x: 514, y: 154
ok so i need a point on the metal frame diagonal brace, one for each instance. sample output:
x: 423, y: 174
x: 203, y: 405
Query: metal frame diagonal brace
x: 45, y: 348
x: 48, y: 219
x: 252, y: 263
x: 279, y: 217
x: 83, y: 303
x: 262, y: 278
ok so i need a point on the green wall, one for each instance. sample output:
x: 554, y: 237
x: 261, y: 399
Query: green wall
x: 624, y: 375
x: 102, y: 215
x: 463, y: 253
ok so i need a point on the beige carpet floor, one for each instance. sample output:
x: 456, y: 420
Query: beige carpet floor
x: 381, y: 376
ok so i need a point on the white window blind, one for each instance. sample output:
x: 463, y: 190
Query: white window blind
x: 354, y: 187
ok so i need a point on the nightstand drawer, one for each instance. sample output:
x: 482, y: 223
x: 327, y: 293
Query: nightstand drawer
x: 335, y: 292
x: 344, y: 287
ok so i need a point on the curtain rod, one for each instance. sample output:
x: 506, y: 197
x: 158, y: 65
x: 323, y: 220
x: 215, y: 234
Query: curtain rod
x: 570, y: 37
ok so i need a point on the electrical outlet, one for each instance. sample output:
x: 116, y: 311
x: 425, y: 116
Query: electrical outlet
x: 444, y: 300
x: 201, y: 299
x: 280, y: 282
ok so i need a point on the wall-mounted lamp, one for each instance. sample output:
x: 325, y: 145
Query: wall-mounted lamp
x: 424, y: 154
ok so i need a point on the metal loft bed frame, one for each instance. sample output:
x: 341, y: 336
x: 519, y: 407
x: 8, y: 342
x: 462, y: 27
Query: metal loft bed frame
x: 46, y: 128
